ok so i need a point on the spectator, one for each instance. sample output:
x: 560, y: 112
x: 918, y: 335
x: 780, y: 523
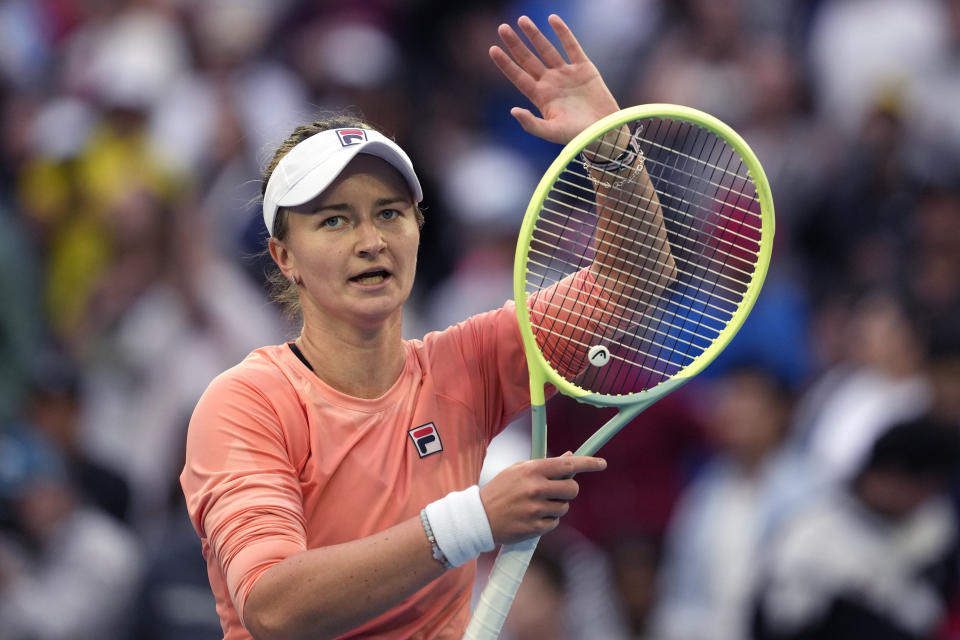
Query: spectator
x: 173, y: 600
x: 635, y: 563
x: 729, y: 511
x: 877, y: 558
x: 880, y: 378
x: 20, y: 334
x: 66, y: 568
x: 859, y: 49
x: 52, y: 410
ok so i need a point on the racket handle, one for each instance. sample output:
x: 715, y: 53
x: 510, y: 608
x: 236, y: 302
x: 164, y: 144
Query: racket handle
x: 497, y: 596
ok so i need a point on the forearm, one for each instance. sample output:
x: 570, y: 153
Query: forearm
x: 633, y: 255
x: 324, y: 592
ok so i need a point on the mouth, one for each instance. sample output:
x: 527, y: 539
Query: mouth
x: 371, y: 277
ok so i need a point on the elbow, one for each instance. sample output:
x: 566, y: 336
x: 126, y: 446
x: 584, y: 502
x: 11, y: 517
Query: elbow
x: 269, y: 623
x: 276, y: 623
x: 268, y: 612
x: 657, y: 279
x: 264, y: 624
x: 670, y: 272
x: 650, y: 287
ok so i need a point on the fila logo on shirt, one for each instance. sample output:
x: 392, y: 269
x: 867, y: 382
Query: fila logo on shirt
x: 426, y: 439
x: 351, y: 136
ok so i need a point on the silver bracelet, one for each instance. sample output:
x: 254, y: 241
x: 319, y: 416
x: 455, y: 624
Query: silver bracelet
x: 632, y: 157
x: 437, y: 553
x: 622, y: 161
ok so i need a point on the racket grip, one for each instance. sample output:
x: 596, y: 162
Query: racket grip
x: 497, y: 596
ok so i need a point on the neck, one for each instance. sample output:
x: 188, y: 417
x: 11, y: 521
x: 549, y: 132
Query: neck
x: 360, y: 363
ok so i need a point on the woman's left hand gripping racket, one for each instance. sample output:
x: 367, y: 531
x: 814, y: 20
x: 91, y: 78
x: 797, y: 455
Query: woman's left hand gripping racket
x: 642, y: 251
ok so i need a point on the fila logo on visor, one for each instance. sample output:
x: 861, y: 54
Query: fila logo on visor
x: 350, y: 137
x: 426, y: 438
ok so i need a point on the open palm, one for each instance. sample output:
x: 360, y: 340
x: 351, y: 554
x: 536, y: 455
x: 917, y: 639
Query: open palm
x: 569, y: 95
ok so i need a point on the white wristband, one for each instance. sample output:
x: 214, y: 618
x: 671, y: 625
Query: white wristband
x: 460, y: 526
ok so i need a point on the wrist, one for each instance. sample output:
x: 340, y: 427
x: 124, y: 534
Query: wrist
x: 438, y: 555
x: 459, y: 527
x: 616, y: 150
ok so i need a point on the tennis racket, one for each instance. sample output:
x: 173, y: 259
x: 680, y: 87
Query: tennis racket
x: 642, y: 251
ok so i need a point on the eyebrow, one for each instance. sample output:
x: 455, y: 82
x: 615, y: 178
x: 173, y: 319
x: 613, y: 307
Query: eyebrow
x: 380, y: 202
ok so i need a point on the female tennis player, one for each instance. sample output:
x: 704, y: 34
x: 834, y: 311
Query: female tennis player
x: 332, y: 479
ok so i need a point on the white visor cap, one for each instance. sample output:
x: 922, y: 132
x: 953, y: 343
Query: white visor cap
x: 313, y: 164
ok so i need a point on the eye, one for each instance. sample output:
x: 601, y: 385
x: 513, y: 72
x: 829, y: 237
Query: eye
x: 390, y: 214
x: 332, y: 222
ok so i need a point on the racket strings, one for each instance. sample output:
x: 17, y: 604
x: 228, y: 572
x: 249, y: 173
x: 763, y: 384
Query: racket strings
x: 715, y: 272
x: 737, y: 176
x: 747, y: 238
x: 752, y: 237
x: 685, y: 182
x: 709, y: 207
x: 647, y: 335
x: 628, y: 306
x: 547, y: 329
x: 578, y: 262
x: 753, y: 249
x: 681, y: 165
x: 656, y: 142
x: 588, y: 196
x: 736, y: 292
x: 598, y: 331
x: 568, y: 361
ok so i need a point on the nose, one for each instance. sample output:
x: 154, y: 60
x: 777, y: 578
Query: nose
x: 370, y: 240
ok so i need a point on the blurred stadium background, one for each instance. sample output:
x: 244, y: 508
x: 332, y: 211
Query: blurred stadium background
x: 131, y: 273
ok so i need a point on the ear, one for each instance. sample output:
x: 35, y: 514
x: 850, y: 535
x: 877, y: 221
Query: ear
x: 282, y: 256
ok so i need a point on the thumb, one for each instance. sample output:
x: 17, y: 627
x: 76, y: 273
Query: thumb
x: 530, y: 123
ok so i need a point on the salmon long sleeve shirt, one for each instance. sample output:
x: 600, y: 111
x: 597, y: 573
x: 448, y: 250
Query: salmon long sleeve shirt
x: 278, y: 462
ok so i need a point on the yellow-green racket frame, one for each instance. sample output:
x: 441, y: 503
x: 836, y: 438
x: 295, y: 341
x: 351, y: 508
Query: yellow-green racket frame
x: 511, y: 564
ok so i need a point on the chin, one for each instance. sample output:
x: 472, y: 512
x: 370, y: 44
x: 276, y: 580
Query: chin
x: 375, y: 314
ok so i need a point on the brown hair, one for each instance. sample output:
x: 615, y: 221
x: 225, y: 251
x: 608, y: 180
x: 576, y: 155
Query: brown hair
x: 282, y: 291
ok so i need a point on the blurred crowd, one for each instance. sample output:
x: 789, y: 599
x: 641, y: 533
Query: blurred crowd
x: 803, y: 486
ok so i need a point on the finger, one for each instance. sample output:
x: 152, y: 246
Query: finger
x: 563, y: 489
x: 522, y: 80
x: 571, y: 46
x: 520, y: 52
x: 585, y: 464
x: 533, y: 125
x: 544, y: 47
x: 566, y: 466
x: 555, y: 509
x: 548, y: 524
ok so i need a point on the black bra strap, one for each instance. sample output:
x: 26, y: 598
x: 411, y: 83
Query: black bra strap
x: 296, y: 351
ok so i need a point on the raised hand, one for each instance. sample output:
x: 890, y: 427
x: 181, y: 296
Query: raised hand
x: 569, y: 95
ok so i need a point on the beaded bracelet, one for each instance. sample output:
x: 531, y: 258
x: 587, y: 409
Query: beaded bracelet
x: 437, y: 553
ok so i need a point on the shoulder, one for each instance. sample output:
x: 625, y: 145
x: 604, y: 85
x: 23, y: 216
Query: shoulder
x: 262, y: 387
x: 267, y: 370
x: 255, y: 402
x: 478, y: 345
x: 493, y: 325
x: 828, y: 536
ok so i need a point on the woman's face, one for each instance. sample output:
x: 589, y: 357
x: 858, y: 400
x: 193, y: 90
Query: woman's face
x: 354, y: 247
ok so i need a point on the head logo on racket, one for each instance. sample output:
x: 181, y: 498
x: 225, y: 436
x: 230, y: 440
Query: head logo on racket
x: 598, y: 355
